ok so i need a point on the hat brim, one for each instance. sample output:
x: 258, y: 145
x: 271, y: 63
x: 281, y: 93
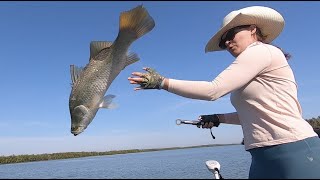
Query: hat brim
x: 270, y: 28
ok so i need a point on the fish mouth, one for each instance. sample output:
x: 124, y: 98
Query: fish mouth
x: 75, y: 134
x: 77, y: 131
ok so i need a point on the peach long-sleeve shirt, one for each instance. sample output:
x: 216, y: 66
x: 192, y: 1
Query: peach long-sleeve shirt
x: 263, y: 92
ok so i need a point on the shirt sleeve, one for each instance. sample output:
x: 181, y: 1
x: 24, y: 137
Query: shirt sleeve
x: 246, y: 66
x: 229, y: 118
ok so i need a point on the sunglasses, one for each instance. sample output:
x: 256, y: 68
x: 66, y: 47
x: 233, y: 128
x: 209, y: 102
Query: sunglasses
x: 230, y: 35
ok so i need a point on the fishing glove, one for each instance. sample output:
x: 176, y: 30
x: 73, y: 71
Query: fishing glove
x: 151, y: 80
x: 214, y: 118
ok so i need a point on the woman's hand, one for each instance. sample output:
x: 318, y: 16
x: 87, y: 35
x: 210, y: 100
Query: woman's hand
x: 208, y: 121
x: 149, y: 80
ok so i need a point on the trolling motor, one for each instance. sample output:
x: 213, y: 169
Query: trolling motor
x: 214, y: 167
x: 197, y: 123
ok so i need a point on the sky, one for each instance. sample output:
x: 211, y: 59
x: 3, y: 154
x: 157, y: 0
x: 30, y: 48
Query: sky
x: 39, y: 41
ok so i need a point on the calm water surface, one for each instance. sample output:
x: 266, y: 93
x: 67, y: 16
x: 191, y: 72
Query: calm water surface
x: 174, y: 164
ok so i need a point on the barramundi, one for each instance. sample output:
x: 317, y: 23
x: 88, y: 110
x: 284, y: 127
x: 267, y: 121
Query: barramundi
x: 107, y: 60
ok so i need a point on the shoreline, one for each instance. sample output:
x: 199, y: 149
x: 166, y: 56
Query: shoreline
x: 13, y: 159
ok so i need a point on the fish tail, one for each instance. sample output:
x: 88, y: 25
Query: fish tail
x: 137, y: 22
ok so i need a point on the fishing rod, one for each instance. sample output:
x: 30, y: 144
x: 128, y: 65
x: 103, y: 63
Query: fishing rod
x: 193, y: 122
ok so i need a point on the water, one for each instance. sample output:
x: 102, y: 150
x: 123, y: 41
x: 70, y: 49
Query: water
x: 167, y: 164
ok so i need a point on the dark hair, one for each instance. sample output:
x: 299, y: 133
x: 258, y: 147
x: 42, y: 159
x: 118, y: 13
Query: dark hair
x: 261, y: 38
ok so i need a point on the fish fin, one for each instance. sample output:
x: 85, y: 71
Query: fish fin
x: 135, y: 23
x: 131, y: 58
x: 75, y: 73
x: 107, y: 102
x: 97, y: 46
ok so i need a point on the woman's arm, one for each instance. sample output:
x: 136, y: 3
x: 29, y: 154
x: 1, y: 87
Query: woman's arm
x: 246, y: 67
x: 229, y: 118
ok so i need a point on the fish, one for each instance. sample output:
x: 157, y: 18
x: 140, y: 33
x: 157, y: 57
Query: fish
x: 107, y: 59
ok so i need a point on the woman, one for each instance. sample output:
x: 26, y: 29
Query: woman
x: 263, y: 92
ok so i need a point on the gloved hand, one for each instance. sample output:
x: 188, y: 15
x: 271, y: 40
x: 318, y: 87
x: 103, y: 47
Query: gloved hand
x: 150, y: 80
x: 208, y: 121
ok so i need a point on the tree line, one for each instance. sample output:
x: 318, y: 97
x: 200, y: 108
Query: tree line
x: 66, y: 155
x: 314, y: 122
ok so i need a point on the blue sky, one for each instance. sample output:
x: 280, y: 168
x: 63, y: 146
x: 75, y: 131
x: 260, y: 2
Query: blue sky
x: 39, y: 41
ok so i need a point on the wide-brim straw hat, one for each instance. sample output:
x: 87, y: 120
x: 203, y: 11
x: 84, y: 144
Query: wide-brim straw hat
x: 268, y: 20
